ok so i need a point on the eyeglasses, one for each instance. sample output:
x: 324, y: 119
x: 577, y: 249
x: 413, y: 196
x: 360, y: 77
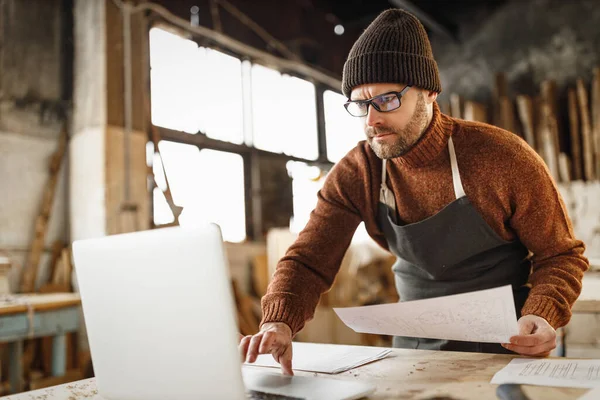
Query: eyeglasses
x: 385, y: 102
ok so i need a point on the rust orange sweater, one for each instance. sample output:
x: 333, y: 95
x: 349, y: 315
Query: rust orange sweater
x: 505, y: 180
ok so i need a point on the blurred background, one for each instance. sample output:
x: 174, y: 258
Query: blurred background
x: 120, y: 116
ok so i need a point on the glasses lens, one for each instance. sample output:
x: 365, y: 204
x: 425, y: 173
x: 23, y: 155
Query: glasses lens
x: 356, y: 109
x: 387, y: 102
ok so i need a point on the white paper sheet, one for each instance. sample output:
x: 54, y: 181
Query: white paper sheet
x: 326, y: 358
x: 593, y: 394
x: 481, y: 316
x: 551, y: 372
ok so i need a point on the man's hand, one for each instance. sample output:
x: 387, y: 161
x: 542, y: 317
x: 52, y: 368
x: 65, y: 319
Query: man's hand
x: 536, y: 337
x: 274, y: 338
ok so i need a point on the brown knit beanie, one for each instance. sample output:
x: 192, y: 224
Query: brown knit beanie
x: 393, y: 48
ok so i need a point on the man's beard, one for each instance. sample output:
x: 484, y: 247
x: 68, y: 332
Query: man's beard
x: 404, y: 139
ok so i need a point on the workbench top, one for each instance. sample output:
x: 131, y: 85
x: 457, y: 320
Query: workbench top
x: 406, y: 374
x: 20, y: 303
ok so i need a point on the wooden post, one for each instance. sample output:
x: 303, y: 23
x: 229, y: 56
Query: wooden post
x: 59, y: 355
x: 15, y: 350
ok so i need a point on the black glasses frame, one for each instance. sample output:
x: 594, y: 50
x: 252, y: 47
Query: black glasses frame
x: 369, y: 102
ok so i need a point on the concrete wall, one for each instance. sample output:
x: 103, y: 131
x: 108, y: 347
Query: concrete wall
x: 529, y: 41
x: 31, y: 114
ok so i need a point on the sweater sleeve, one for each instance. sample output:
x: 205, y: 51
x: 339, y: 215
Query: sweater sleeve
x: 310, y: 265
x: 541, y: 222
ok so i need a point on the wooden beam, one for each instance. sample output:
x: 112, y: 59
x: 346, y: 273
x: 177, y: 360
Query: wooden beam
x: 237, y: 47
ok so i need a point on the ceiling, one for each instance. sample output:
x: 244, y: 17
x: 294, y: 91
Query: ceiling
x: 307, y: 26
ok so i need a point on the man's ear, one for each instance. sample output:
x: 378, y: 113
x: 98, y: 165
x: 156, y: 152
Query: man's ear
x: 431, y: 96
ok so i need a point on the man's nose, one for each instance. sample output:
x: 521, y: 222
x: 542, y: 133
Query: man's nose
x: 373, y: 117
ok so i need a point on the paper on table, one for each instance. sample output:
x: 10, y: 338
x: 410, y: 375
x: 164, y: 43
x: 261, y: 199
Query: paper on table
x: 481, y: 316
x: 326, y: 358
x: 593, y: 394
x: 551, y: 372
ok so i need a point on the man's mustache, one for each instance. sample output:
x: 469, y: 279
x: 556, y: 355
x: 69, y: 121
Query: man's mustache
x: 376, y: 131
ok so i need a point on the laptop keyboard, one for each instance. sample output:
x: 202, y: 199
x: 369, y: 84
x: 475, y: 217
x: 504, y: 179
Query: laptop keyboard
x: 254, y: 395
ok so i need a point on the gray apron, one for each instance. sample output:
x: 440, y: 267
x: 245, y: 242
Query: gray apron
x: 451, y: 252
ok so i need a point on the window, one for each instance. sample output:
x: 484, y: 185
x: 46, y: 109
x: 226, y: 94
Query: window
x: 221, y: 110
x: 195, y: 89
x: 342, y: 131
x: 284, y: 114
x: 208, y: 184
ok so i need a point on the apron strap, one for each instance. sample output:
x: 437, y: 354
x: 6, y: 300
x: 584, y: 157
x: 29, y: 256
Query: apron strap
x: 385, y: 194
x: 387, y: 197
x: 459, y: 191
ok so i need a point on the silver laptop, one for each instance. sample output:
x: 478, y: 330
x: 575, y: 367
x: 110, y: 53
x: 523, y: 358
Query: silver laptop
x: 160, y: 320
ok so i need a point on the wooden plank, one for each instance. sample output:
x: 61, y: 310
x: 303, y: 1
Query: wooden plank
x: 507, y: 116
x: 527, y: 117
x: 500, y: 90
x: 40, y: 302
x: 586, y: 131
x: 564, y: 167
x: 260, y: 274
x: 547, y: 146
x: 575, y: 134
x: 549, y: 95
x: 455, y: 106
x: 475, y: 112
x: 30, y: 270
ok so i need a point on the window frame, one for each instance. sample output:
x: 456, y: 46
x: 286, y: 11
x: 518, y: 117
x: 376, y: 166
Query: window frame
x: 248, y: 153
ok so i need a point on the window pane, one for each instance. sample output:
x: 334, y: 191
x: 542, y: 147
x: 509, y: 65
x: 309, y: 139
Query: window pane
x: 301, y: 116
x: 175, y: 65
x: 221, y: 195
x: 209, y: 185
x: 221, y: 97
x: 161, y: 212
x: 342, y: 131
x: 283, y: 113
x: 195, y: 88
x: 306, y: 182
x: 267, y: 109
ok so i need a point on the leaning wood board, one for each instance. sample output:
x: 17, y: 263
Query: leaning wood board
x: 41, y: 224
x: 586, y: 131
x: 575, y: 134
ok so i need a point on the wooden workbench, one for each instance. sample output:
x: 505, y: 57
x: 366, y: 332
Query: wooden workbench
x: 33, y: 316
x: 406, y: 374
